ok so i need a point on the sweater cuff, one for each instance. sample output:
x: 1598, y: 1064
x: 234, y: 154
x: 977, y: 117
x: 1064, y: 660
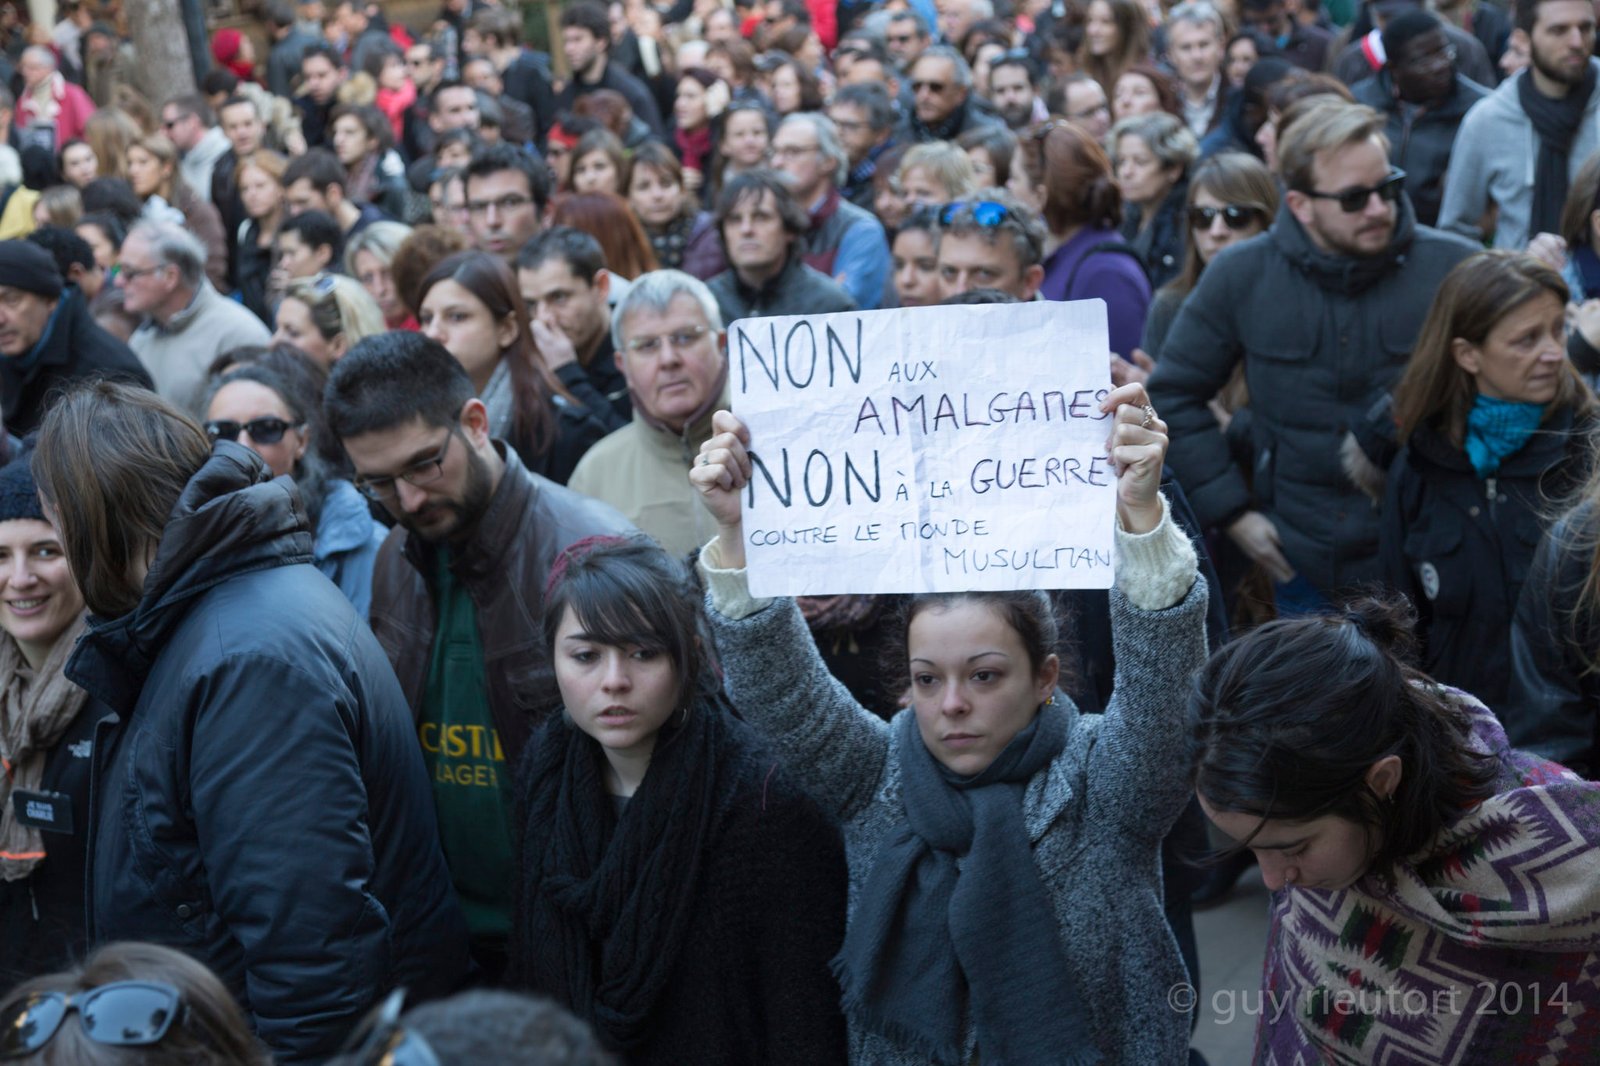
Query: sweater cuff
x: 730, y: 591
x: 1156, y: 569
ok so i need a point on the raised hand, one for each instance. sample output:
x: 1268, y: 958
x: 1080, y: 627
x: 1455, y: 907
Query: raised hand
x: 1138, y: 448
x: 720, y: 473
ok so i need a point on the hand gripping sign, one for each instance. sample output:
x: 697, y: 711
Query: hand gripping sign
x: 926, y: 449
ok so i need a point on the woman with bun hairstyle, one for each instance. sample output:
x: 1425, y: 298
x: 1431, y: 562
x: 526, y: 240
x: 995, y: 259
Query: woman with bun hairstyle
x: 1434, y: 896
x: 1004, y: 849
x: 677, y: 889
x: 1496, y: 429
x: 1062, y: 168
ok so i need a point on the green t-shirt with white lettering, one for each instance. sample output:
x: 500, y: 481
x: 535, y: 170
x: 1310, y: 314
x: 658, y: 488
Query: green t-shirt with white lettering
x: 471, y: 778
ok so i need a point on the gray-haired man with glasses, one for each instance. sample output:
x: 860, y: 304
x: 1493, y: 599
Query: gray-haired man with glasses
x: 672, y: 351
x: 458, y: 591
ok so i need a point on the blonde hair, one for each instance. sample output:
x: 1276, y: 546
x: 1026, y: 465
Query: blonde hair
x: 945, y: 162
x: 1328, y: 126
x: 339, y: 306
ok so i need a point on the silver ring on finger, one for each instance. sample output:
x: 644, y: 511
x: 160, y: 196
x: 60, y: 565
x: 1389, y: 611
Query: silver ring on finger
x: 704, y: 460
x: 1149, y: 417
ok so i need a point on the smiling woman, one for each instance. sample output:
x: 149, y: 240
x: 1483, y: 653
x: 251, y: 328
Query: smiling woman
x: 41, y: 617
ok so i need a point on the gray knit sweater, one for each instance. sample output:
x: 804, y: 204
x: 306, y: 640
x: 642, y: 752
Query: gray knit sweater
x: 1096, y: 815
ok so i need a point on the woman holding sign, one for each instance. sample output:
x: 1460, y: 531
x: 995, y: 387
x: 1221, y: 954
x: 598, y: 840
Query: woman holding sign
x: 1003, y: 850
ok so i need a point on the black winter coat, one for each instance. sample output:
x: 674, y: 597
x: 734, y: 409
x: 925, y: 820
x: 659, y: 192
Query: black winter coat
x: 1461, y: 546
x: 1161, y: 244
x: 74, y: 349
x: 798, y: 290
x: 1320, y: 337
x: 1420, y: 141
x: 1554, y: 706
x: 42, y: 916
x: 258, y: 798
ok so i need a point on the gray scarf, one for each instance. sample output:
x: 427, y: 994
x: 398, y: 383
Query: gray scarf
x: 496, y: 396
x: 929, y: 943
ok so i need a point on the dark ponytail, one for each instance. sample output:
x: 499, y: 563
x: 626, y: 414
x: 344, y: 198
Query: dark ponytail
x: 1286, y: 722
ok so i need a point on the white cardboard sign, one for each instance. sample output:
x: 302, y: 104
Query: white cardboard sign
x: 928, y: 449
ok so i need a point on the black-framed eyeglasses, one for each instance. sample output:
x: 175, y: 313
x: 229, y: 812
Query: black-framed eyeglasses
x: 935, y: 87
x: 120, y: 1014
x: 1352, y: 201
x: 380, y: 1039
x: 268, y: 430
x: 421, y: 473
x: 1233, y: 215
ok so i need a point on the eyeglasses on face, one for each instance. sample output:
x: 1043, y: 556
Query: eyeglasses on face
x: 935, y: 87
x: 128, y: 273
x: 121, y: 1014
x: 425, y: 472
x: 1352, y: 201
x: 262, y: 430
x: 650, y: 347
x: 1235, y: 216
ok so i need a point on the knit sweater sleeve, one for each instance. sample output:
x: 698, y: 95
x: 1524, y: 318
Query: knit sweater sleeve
x: 1139, y: 765
x: 774, y: 675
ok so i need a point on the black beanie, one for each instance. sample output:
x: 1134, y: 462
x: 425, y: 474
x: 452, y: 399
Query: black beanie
x: 19, y: 496
x: 26, y: 266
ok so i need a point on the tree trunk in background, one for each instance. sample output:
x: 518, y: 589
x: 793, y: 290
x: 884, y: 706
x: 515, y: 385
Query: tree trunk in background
x: 161, y: 41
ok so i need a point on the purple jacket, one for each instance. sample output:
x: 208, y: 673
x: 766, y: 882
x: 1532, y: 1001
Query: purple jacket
x: 1071, y: 272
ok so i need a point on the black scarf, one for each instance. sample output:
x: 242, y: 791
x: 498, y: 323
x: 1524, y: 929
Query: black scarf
x: 928, y: 943
x: 606, y: 899
x: 1556, y: 122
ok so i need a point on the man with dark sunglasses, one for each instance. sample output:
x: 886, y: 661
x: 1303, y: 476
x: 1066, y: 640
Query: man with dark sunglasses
x: 1423, y: 97
x: 941, y: 86
x: 1322, y: 310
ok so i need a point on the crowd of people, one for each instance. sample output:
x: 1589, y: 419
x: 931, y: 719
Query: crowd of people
x: 379, y: 673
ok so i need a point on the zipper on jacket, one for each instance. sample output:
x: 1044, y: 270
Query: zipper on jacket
x: 1488, y: 487
x: 33, y: 901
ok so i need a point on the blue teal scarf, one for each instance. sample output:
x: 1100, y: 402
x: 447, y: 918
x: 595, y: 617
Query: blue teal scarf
x: 1498, y: 428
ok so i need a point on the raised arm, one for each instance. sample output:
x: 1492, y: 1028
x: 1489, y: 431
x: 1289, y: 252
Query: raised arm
x: 771, y: 666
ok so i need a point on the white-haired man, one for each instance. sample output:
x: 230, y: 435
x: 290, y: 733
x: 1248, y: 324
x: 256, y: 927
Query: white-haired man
x: 845, y: 242
x: 672, y: 350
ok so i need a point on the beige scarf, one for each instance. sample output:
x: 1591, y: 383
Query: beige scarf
x: 35, y: 709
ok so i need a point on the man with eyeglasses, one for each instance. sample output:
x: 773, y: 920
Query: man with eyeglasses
x: 672, y: 352
x: 508, y: 191
x: 844, y: 241
x: 907, y: 37
x: 458, y: 593
x: 1424, y: 99
x: 1520, y: 148
x: 865, y: 117
x: 991, y: 242
x: 1082, y: 101
x: 1322, y: 310
x: 941, y: 85
x: 187, y: 323
x: 189, y: 124
x: 425, y: 66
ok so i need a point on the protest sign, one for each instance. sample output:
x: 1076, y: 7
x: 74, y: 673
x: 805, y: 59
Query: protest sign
x: 926, y: 449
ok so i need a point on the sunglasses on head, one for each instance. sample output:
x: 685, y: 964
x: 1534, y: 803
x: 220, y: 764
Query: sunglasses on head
x: 261, y: 430
x: 121, y: 1014
x: 986, y: 213
x: 381, y: 1039
x: 1352, y: 201
x: 1233, y: 215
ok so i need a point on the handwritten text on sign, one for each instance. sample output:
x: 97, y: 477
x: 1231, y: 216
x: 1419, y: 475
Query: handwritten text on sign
x: 926, y: 449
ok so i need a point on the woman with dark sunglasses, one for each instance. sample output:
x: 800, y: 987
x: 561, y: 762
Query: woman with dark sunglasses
x: 128, y: 1003
x: 1232, y: 197
x: 276, y: 411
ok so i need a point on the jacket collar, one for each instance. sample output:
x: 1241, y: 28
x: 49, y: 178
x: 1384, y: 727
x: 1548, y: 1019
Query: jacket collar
x: 181, y: 320
x: 232, y: 517
x: 1346, y: 275
x: 782, y: 282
